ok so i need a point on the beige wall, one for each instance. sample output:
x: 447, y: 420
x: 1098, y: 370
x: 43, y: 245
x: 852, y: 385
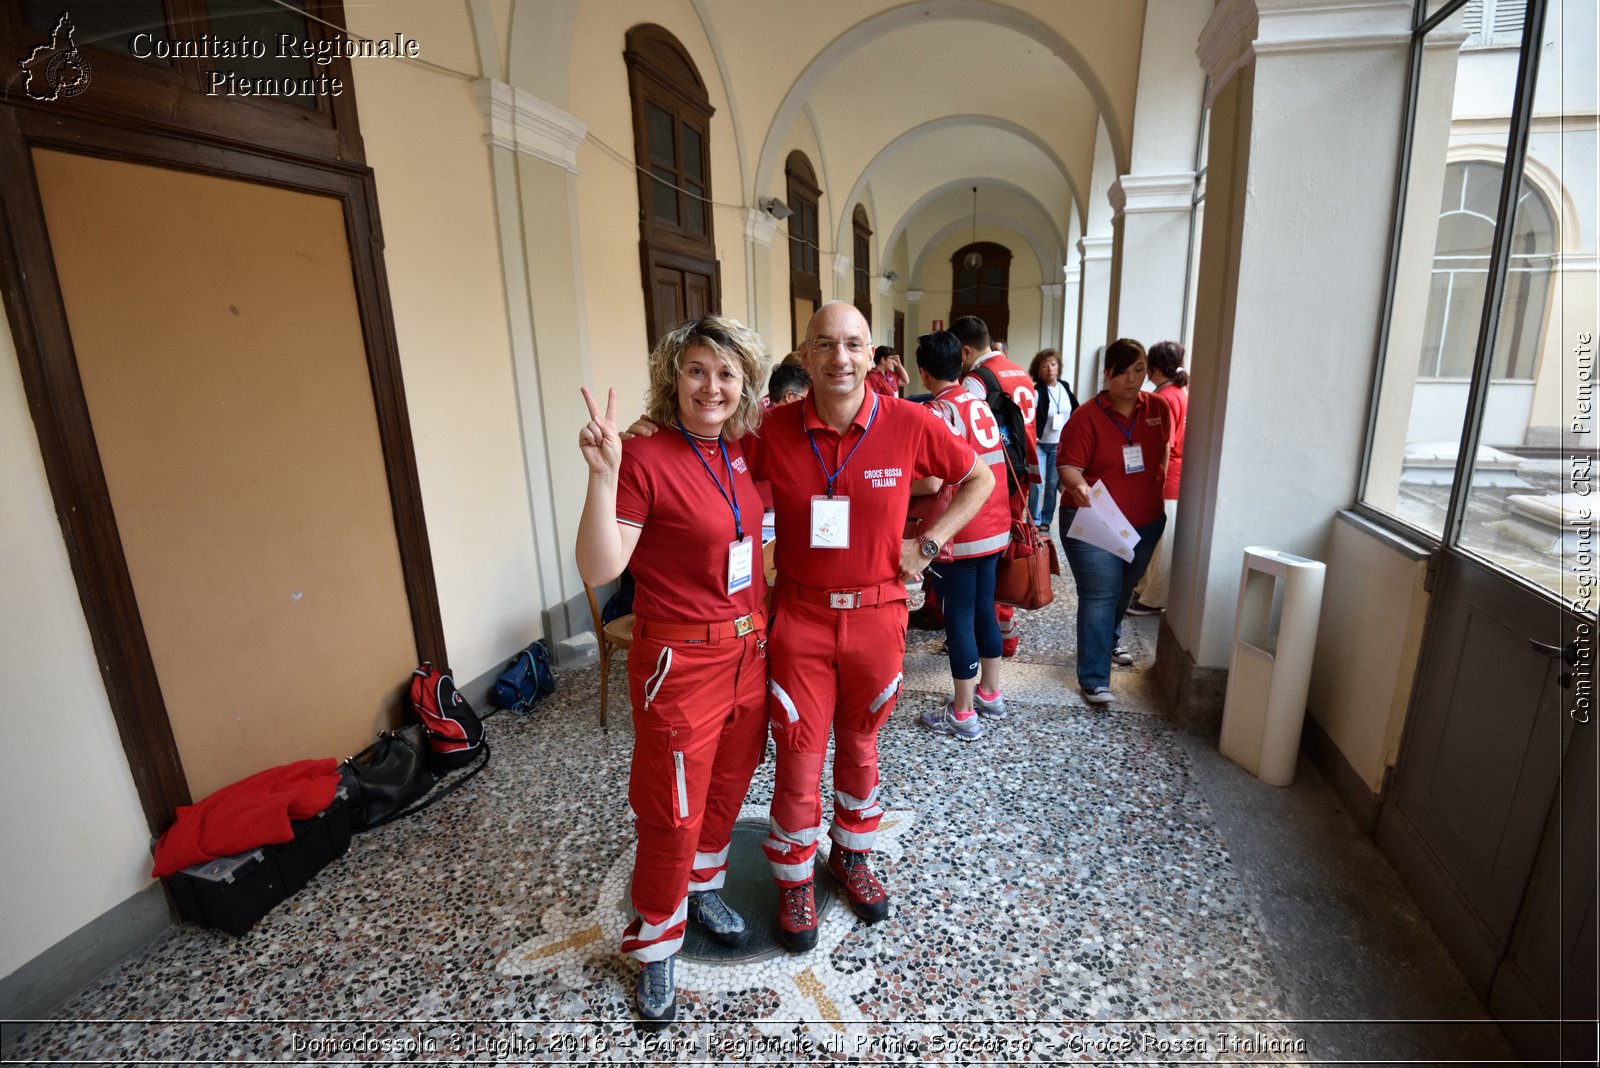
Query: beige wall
x: 1368, y: 642
x: 1026, y: 300
x: 76, y: 842
x: 424, y: 140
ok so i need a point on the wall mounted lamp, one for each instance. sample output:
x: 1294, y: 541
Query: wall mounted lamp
x: 775, y: 208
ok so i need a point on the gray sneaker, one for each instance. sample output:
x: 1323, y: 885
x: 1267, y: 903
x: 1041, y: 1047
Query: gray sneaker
x: 655, y: 997
x: 1098, y: 695
x: 995, y: 709
x: 1121, y: 656
x: 711, y: 912
x: 944, y: 722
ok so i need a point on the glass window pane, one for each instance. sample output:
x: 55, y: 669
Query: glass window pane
x: 107, y: 24
x: 659, y: 125
x: 664, y: 195
x: 262, y: 21
x: 693, y: 151
x: 1530, y: 505
x: 694, y: 208
x: 1441, y: 277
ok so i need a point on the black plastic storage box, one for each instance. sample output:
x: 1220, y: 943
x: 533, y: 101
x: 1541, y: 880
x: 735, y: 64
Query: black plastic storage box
x: 232, y: 893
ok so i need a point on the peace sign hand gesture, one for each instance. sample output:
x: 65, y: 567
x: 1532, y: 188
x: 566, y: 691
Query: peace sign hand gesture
x: 602, y: 448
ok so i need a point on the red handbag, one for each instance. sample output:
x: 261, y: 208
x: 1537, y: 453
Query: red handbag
x: 1022, y: 574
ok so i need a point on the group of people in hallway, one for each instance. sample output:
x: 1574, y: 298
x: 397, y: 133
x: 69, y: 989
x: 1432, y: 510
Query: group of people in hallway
x: 718, y: 661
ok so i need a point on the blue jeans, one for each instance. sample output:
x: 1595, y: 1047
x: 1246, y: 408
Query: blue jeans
x: 970, y: 628
x: 1042, y: 499
x: 1105, y: 586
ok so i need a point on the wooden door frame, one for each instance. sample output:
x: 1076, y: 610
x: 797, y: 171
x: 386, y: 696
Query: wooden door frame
x: 61, y: 419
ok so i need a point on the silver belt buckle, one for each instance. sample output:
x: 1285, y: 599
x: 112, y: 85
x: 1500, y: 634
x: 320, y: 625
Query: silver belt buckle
x: 744, y: 625
x: 846, y: 599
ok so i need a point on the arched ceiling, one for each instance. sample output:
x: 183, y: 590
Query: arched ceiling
x: 914, y: 103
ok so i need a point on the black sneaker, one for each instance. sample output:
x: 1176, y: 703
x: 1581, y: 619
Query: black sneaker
x: 1139, y: 608
x: 655, y: 996
x: 708, y: 909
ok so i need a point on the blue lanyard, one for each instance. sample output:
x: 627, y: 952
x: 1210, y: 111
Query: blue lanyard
x: 818, y: 452
x: 733, y: 501
x: 1127, y: 431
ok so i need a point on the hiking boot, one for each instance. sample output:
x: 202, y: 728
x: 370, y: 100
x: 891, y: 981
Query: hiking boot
x: 995, y: 709
x: 867, y: 896
x: 1121, y: 656
x: 797, y: 917
x: 943, y: 721
x: 655, y: 997
x: 713, y: 913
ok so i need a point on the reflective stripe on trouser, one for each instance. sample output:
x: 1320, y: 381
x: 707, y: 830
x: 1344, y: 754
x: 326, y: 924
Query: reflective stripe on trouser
x: 840, y: 669
x: 699, y: 723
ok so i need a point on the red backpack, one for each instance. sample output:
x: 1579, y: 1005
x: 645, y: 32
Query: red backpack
x: 455, y: 733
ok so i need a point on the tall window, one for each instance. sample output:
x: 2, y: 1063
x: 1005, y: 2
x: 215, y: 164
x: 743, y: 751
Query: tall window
x: 982, y: 287
x: 805, y: 273
x: 1479, y: 394
x: 1461, y: 276
x: 672, y: 146
x: 861, y: 261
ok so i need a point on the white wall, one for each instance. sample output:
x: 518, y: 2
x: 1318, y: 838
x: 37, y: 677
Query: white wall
x: 75, y: 840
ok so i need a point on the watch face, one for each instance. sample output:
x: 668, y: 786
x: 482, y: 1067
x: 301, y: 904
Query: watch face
x: 930, y: 548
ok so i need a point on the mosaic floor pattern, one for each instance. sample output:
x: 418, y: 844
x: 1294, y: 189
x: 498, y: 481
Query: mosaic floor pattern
x: 1060, y: 893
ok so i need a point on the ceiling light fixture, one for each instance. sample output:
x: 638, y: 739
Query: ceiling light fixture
x: 974, y: 259
x: 775, y: 208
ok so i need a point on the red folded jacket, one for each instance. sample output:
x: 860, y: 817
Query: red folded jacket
x: 251, y: 812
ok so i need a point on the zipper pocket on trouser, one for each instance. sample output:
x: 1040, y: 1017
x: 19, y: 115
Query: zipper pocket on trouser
x: 683, y: 785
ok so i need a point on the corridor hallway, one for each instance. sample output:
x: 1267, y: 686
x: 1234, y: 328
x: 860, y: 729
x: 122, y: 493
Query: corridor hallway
x: 1078, y: 885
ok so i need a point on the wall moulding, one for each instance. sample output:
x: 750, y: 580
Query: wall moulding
x: 1134, y: 194
x: 521, y: 122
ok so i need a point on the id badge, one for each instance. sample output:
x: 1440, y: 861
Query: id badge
x: 741, y: 560
x: 1132, y: 459
x: 830, y: 522
x: 1058, y: 419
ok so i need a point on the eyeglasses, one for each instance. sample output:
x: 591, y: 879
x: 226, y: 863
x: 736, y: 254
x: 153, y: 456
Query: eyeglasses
x: 827, y: 345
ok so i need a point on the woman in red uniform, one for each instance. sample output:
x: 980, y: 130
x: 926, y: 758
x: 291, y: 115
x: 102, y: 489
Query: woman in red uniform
x: 966, y: 581
x: 1119, y: 438
x: 680, y: 510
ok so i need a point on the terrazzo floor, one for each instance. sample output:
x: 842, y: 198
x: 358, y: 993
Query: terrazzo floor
x: 1061, y: 894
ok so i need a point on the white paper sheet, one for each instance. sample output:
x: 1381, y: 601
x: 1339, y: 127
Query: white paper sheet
x: 1103, y: 525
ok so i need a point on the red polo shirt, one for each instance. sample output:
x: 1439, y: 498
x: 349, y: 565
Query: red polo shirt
x: 681, y: 561
x: 1177, y: 398
x: 1018, y: 384
x: 1094, y: 438
x: 888, y: 445
x: 882, y: 383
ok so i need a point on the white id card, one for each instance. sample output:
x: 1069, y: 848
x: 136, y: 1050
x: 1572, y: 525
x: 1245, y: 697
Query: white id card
x: 1058, y: 419
x: 830, y: 522
x: 741, y: 558
x: 1132, y: 459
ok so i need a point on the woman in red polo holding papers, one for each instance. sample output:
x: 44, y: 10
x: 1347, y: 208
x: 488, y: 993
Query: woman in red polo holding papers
x: 1120, y: 438
x: 680, y: 510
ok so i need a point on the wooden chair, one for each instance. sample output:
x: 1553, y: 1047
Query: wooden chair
x: 618, y: 634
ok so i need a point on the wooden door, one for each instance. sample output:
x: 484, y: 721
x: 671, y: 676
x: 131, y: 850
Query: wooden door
x: 217, y: 335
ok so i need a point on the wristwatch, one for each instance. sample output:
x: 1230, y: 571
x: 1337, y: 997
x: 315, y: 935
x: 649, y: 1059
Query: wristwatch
x: 929, y: 547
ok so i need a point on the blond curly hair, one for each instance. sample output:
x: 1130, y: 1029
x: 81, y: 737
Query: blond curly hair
x: 740, y: 348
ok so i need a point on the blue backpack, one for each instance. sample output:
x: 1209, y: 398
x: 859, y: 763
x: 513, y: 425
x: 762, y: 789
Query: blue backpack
x: 525, y: 680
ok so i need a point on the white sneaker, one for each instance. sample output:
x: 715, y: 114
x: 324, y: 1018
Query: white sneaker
x: 1099, y: 695
x: 1119, y: 655
x: 944, y: 722
x: 995, y: 709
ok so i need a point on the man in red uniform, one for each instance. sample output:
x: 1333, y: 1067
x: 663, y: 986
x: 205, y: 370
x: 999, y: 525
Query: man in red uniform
x: 888, y: 375
x: 1018, y: 385
x: 841, y: 465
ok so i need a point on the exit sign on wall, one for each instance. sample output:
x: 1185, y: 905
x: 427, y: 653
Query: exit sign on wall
x: 938, y: 324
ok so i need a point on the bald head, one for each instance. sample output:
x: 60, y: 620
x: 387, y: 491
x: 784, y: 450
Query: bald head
x: 837, y: 351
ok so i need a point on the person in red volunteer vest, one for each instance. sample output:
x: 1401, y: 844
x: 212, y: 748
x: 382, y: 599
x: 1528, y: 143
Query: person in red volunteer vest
x: 976, y: 352
x: 841, y: 465
x: 680, y: 509
x: 966, y: 580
